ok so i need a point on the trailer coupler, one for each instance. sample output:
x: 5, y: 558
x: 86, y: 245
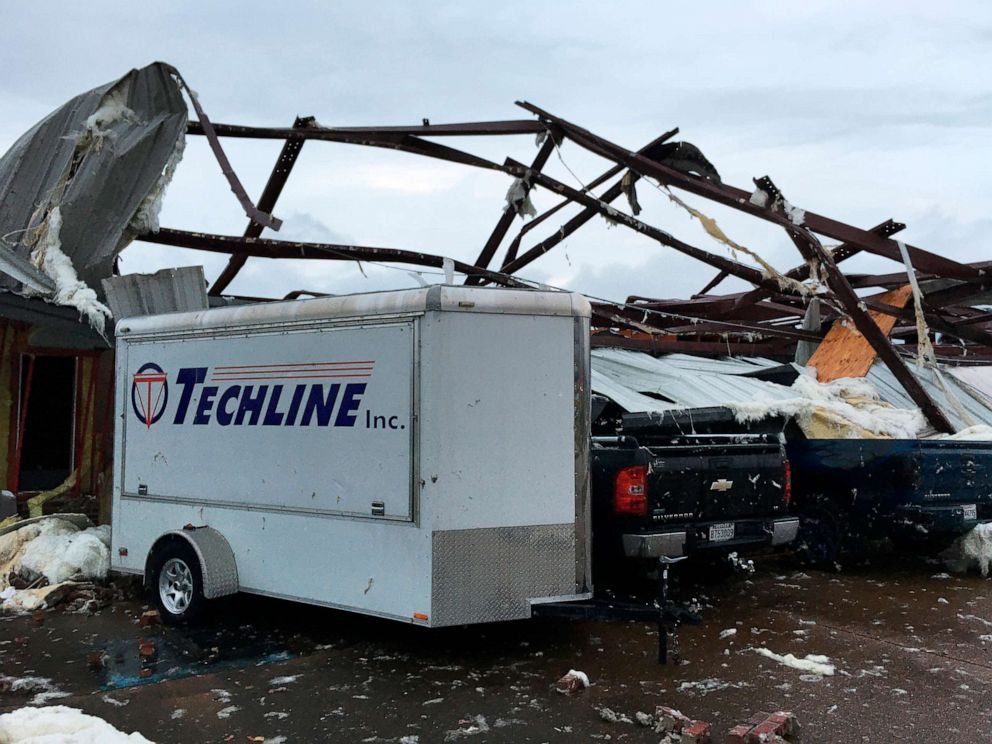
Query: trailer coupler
x: 667, y: 614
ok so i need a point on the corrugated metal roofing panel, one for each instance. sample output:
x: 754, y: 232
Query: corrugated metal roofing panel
x: 977, y: 407
x: 689, y: 382
x: 97, y: 173
x: 166, y: 291
x: 695, y: 382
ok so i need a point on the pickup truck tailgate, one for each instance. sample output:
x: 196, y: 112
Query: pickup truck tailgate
x: 702, y: 477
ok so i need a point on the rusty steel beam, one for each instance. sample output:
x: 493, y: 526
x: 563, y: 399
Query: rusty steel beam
x: 509, y: 213
x: 899, y: 278
x: 811, y: 249
x: 740, y: 199
x: 601, y: 207
x: 636, y: 317
x: 532, y: 254
x: 266, y: 202
x: 661, y: 345
x: 879, y: 341
x: 472, y: 129
x: 399, y: 140
x: 511, y: 252
x: 266, y: 248
x: 801, y: 272
x: 955, y: 295
x: 715, y: 308
x: 980, y: 318
x: 209, y: 131
x: 712, y: 283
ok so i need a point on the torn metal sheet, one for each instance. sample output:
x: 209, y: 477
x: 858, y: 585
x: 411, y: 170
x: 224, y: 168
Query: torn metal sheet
x: 166, y: 291
x: 83, y: 182
x: 630, y: 379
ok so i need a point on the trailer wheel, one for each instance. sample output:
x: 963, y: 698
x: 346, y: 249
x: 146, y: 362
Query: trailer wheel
x: 177, y: 583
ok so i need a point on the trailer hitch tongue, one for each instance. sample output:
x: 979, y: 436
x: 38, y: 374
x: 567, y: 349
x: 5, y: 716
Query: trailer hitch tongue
x: 670, y: 614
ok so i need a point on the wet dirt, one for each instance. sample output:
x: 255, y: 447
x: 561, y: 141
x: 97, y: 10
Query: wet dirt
x: 912, y: 650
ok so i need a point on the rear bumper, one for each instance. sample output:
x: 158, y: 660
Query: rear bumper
x: 683, y: 541
x: 953, y: 519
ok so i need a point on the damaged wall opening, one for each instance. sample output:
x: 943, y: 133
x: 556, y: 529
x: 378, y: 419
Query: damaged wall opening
x: 47, y: 443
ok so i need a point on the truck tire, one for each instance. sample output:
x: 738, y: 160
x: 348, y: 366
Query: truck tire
x: 826, y: 540
x: 177, y: 583
x: 818, y: 542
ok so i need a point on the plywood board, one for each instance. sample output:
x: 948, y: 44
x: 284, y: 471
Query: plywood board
x: 844, y: 352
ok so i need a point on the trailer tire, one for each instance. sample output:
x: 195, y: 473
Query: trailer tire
x: 826, y: 539
x: 177, y: 582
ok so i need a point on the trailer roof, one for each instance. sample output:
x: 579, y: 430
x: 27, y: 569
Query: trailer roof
x: 441, y: 298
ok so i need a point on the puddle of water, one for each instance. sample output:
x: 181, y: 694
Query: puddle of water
x: 188, y: 652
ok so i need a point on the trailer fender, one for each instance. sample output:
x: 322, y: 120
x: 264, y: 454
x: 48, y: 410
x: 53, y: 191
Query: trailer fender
x: 220, y: 571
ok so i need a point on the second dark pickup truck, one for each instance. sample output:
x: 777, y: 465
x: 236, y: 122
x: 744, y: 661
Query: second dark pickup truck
x: 664, y: 489
x: 920, y: 493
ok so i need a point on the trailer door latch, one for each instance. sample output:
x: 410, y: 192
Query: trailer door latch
x: 378, y: 508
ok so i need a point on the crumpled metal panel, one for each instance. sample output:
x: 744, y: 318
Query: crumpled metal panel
x: 105, y: 183
x: 166, y: 291
x: 968, y: 408
x: 695, y: 382
x: 490, y: 574
x: 979, y: 378
x: 682, y: 380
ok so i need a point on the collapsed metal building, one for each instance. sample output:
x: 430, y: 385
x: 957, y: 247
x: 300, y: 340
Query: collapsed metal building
x: 86, y: 181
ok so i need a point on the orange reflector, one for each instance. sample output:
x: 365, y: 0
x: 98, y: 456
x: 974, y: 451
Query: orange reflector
x: 419, y: 616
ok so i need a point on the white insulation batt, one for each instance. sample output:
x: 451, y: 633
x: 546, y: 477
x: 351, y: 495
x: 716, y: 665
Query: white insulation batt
x: 69, y: 290
x: 852, y: 406
x: 49, y: 552
x: 58, y: 724
x: 812, y: 663
x: 973, y: 550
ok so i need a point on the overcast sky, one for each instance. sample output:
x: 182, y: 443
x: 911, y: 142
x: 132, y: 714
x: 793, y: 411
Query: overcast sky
x: 859, y: 111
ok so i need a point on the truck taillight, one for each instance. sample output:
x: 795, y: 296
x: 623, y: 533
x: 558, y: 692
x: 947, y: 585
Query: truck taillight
x: 788, y: 481
x: 630, y: 491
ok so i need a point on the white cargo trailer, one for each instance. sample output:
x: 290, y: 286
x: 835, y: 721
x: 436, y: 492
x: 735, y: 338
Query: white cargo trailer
x: 420, y: 455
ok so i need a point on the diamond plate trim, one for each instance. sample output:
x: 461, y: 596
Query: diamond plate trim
x: 490, y: 574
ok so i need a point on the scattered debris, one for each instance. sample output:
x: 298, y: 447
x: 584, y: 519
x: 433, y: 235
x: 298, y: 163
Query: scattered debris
x: 819, y: 665
x: 573, y: 681
x: 477, y: 725
x: 611, y: 716
x: 765, y: 728
x: 43, y: 560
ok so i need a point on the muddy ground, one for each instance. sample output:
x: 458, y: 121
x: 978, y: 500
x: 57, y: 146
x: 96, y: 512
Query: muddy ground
x: 912, y: 648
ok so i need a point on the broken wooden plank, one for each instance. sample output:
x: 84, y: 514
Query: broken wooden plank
x: 844, y: 351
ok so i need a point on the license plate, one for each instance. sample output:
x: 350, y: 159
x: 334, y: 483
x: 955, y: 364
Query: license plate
x: 970, y: 511
x: 719, y: 532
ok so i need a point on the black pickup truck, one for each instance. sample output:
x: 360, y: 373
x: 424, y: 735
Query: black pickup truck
x: 666, y: 487
x: 920, y: 493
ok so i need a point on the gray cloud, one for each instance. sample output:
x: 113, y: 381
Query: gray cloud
x: 862, y: 112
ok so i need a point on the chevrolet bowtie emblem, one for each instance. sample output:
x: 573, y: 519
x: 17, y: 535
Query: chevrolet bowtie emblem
x: 722, y: 485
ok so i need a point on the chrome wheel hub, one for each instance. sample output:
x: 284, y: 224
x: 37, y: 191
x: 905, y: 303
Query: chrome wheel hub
x: 175, y: 586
